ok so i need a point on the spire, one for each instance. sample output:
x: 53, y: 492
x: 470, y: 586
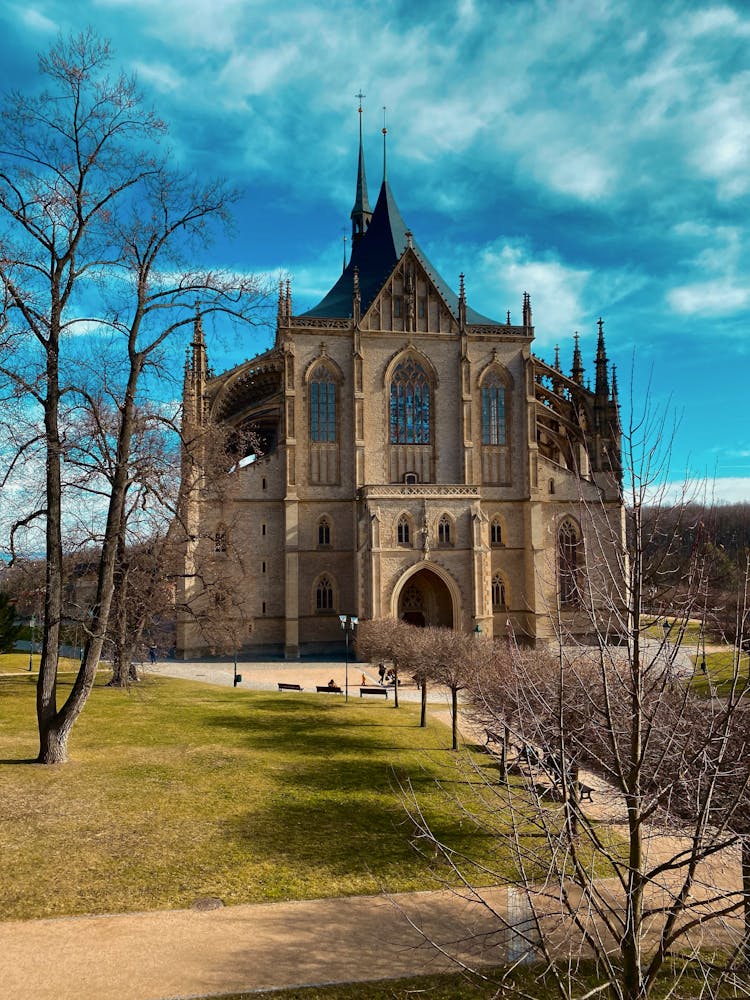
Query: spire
x: 527, y: 321
x: 576, y: 372
x: 385, y: 164
x: 602, y: 382
x: 198, y: 359
x: 461, y: 301
x: 557, y: 357
x: 615, y: 394
x: 344, y: 266
x: 361, y: 213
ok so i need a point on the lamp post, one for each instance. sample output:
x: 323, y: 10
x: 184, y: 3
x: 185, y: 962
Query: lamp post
x: 32, y: 623
x: 348, y: 624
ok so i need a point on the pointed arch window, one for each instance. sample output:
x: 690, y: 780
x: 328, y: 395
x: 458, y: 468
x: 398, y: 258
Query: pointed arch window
x: 499, y: 601
x: 324, y: 595
x: 496, y: 532
x: 324, y: 531
x: 493, y: 409
x: 322, y: 405
x: 403, y: 531
x: 410, y: 404
x: 444, y: 531
x: 569, y: 554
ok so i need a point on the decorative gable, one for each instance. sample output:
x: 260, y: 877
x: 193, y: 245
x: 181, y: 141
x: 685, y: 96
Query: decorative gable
x: 409, y: 302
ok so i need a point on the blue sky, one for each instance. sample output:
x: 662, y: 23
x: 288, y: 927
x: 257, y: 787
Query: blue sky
x: 593, y: 153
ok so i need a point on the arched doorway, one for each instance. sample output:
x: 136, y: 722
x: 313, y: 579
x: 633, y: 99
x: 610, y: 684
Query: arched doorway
x: 426, y: 600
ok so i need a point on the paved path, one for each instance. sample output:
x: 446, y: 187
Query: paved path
x: 184, y: 953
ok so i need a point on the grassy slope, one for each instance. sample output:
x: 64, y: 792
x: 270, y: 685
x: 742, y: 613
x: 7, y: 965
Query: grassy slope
x: 179, y: 790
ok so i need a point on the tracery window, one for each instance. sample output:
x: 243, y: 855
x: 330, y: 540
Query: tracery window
x: 498, y: 593
x: 444, y: 530
x: 410, y: 404
x: 496, y: 532
x: 324, y: 531
x: 322, y: 405
x: 493, y: 410
x: 324, y: 595
x: 569, y: 564
x: 403, y: 530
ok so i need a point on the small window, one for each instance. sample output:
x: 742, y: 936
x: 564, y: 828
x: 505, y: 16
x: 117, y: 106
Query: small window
x: 324, y: 595
x: 403, y: 531
x: 397, y: 307
x: 444, y: 530
x: 263, y: 483
x: 552, y: 486
x: 498, y: 593
x: 496, y: 532
x: 220, y: 539
x: 263, y: 528
x: 411, y: 479
x: 324, y: 531
x: 263, y: 566
x: 422, y: 308
x: 264, y: 607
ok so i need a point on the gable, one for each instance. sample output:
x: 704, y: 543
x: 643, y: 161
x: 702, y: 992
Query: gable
x: 410, y: 301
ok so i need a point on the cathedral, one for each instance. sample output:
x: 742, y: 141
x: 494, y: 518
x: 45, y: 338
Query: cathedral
x: 412, y: 458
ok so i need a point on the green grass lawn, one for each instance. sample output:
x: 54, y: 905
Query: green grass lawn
x: 177, y: 790
x: 13, y: 663
x: 720, y: 673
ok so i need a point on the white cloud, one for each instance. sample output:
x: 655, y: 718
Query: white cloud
x: 33, y: 18
x: 709, y: 298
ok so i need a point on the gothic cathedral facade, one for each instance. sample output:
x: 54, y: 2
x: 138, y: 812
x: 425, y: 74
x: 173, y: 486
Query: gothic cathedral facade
x: 416, y: 460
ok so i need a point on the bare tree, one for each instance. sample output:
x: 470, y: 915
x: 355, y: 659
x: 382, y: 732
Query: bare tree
x: 628, y: 796
x: 98, y: 233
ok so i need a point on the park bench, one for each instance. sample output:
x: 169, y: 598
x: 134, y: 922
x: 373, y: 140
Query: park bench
x: 373, y: 690
x: 492, y: 736
x: 327, y: 687
x: 585, y: 792
x: 289, y: 687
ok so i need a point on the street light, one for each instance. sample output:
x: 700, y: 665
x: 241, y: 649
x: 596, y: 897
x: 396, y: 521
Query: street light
x: 32, y: 623
x: 348, y: 624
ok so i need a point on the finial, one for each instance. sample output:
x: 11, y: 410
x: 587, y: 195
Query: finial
x: 557, y: 357
x: 345, y: 239
x: 356, y: 281
x: 576, y: 372
x: 288, y: 297
x: 385, y: 133
x: 360, y: 97
x: 461, y: 286
x: 280, y: 310
x: 409, y: 239
x: 507, y: 318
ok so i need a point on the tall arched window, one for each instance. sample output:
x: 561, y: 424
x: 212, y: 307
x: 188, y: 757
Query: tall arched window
x: 322, y: 405
x: 410, y: 404
x: 444, y: 530
x: 569, y: 564
x: 496, y: 532
x: 324, y: 595
x: 403, y: 530
x: 324, y: 531
x: 493, y: 409
x: 498, y: 593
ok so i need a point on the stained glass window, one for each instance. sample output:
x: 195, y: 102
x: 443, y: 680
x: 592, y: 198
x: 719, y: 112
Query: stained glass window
x: 493, y: 410
x: 569, y: 552
x: 322, y: 405
x: 410, y: 404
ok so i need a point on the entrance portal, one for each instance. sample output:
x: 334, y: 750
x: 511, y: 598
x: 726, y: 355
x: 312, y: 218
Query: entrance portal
x: 426, y: 600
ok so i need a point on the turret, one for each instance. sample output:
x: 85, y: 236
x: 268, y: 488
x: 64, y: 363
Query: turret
x: 527, y: 320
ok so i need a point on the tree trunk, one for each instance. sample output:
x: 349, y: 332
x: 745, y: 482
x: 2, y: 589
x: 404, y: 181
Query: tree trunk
x: 423, y: 714
x: 454, y: 712
x: 53, y: 744
x: 746, y: 900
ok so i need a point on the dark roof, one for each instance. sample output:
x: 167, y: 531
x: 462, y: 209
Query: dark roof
x: 375, y: 254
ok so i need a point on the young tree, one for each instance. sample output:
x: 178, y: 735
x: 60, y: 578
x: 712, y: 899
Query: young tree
x: 98, y: 233
x: 654, y: 894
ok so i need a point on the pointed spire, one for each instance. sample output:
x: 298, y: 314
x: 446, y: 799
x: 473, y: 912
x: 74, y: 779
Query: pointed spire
x: 602, y: 382
x: 280, y: 307
x: 527, y: 321
x: 198, y: 359
x: 461, y: 301
x: 361, y: 213
x: 615, y: 393
x: 344, y: 266
x: 576, y: 372
x: 385, y: 163
x: 288, y: 300
x: 557, y: 358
